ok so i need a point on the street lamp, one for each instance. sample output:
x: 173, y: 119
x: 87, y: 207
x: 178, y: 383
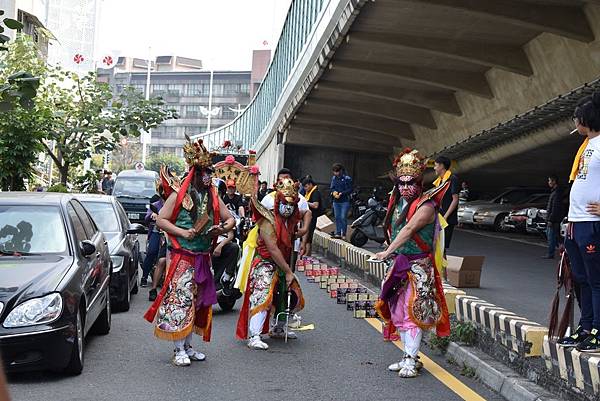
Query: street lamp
x: 147, y: 136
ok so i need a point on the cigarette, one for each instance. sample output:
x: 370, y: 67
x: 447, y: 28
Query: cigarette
x: 573, y: 132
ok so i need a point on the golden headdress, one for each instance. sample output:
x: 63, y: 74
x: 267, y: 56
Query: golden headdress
x: 288, y: 188
x: 409, y: 163
x: 196, y: 154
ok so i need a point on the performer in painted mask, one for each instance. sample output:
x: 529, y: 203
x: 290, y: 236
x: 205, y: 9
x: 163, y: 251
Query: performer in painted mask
x: 270, y: 277
x: 193, y: 216
x: 412, y: 298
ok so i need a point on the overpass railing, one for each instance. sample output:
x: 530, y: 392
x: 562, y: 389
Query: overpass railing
x: 247, y: 128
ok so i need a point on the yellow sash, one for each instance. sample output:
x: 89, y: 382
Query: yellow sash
x: 575, y: 167
x: 438, y: 181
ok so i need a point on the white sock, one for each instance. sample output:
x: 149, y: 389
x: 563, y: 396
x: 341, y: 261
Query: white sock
x: 257, y: 322
x: 413, y: 344
x: 188, y: 341
x: 179, y: 344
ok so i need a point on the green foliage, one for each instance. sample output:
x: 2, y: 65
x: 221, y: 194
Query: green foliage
x: 23, y: 124
x: 125, y: 156
x: 87, y: 182
x: 97, y: 162
x: 465, y: 333
x: 438, y: 343
x: 58, y: 188
x: 467, y: 371
x: 177, y: 164
x: 87, y: 118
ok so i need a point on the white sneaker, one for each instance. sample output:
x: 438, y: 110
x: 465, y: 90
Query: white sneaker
x: 397, y: 367
x: 295, y: 322
x: 194, y: 355
x: 181, y: 358
x: 255, y: 342
x: 279, y: 332
x: 409, y: 369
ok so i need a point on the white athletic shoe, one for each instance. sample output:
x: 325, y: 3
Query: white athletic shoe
x: 181, y: 358
x: 409, y: 370
x: 256, y: 342
x: 279, y: 333
x: 295, y: 322
x: 397, y: 367
x: 194, y: 355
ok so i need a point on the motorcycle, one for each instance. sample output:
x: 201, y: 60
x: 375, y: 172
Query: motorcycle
x: 359, y: 206
x: 369, y: 226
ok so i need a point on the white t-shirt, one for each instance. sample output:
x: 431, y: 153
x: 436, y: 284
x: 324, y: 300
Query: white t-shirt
x: 586, y: 187
x: 269, y: 202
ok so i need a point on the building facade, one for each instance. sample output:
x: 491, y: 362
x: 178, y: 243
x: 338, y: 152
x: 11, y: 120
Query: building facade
x: 184, y: 87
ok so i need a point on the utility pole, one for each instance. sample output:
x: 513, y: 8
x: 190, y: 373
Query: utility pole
x: 147, y: 137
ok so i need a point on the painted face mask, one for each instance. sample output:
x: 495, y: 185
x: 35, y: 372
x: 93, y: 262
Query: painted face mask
x: 286, y: 210
x: 206, y: 179
x: 408, y: 187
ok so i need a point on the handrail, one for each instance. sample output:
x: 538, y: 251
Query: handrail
x: 246, y: 129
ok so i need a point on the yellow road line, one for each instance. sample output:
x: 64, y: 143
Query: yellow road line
x: 447, y: 379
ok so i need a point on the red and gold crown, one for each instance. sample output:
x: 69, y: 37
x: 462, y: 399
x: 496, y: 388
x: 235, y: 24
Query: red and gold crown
x: 196, y: 154
x: 409, y: 163
x: 288, y: 188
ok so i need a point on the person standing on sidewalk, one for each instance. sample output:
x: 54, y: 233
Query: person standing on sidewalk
x: 582, y: 241
x: 341, y: 188
x: 449, y: 207
x: 554, y: 215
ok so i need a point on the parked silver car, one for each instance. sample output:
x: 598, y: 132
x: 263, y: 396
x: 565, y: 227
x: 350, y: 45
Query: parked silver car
x: 492, y: 212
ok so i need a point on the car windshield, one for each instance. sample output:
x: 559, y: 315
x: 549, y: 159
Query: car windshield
x: 133, y: 186
x: 537, y: 198
x: 104, y: 215
x: 32, y: 229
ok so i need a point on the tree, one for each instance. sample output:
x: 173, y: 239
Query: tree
x: 88, y: 119
x: 125, y: 156
x: 175, y: 163
x: 22, y: 120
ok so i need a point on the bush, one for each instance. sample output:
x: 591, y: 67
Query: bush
x: 58, y: 188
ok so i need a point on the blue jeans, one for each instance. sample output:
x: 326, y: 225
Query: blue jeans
x: 553, y: 234
x: 583, y: 249
x: 151, y: 253
x: 340, y: 209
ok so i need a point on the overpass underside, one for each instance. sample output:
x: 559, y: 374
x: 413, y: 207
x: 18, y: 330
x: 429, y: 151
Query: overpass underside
x: 435, y: 74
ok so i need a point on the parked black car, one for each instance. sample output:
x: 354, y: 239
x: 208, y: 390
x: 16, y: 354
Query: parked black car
x: 54, y: 275
x: 134, y: 189
x: 123, y: 245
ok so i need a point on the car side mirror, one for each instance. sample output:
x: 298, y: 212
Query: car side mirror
x: 136, y: 228
x: 87, y: 248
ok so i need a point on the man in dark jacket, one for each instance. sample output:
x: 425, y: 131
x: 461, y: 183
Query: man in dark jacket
x: 340, y: 189
x: 555, y: 214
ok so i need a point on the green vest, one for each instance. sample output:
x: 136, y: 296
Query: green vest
x: 411, y: 247
x: 201, y: 242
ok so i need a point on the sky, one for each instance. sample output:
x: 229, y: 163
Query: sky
x: 222, y: 33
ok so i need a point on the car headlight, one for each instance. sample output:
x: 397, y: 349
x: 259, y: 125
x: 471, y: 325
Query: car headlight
x: 35, y: 311
x: 117, y: 262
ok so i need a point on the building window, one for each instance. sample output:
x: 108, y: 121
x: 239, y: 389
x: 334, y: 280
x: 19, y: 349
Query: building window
x: 192, y: 90
x: 192, y: 111
x: 245, y: 89
x: 174, y: 90
x: 159, y: 89
x: 218, y: 89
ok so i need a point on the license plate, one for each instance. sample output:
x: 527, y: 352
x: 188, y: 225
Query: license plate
x: 133, y: 216
x: 529, y: 221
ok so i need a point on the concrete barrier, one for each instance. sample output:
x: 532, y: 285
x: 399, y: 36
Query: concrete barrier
x: 576, y: 369
x: 516, y: 333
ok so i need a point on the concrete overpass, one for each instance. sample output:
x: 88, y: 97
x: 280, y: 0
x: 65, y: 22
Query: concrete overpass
x: 491, y: 83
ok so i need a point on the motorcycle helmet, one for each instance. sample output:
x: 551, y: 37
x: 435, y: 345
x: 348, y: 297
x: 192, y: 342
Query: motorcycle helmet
x: 372, y: 202
x: 220, y: 185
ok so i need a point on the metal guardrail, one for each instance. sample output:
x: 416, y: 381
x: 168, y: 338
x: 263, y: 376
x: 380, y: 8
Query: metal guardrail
x: 247, y: 128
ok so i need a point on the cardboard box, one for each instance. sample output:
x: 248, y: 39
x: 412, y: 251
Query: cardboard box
x: 464, y: 272
x: 325, y: 224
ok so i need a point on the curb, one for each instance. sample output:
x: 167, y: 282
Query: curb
x: 497, y: 376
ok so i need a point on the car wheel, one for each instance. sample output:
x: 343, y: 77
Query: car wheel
x: 123, y: 306
x: 136, y: 274
x: 75, y: 365
x: 102, y: 324
x: 499, y: 222
x: 226, y: 304
x: 358, y: 238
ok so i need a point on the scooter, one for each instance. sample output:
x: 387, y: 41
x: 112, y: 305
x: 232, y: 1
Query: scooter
x: 369, y: 226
